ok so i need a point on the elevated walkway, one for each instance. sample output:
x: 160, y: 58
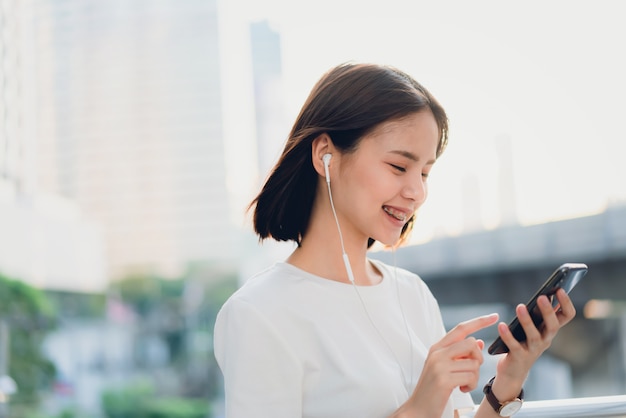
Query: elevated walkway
x: 505, y: 265
x: 593, y: 238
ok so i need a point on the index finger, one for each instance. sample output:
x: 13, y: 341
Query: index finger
x: 463, y: 329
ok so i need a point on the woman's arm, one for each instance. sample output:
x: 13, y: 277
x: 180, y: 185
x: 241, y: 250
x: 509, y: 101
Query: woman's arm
x: 513, y: 368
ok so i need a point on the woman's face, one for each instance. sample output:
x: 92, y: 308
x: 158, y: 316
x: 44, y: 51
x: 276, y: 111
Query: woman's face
x: 384, y: 181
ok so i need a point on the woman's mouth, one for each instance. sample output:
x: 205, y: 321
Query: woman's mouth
x: 399, y: 215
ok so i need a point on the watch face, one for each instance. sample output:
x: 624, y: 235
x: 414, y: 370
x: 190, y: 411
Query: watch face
x: 510, y: 408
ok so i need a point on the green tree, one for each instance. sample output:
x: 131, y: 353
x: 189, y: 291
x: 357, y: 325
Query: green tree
x: 182, y: 320
x: 29, y: 316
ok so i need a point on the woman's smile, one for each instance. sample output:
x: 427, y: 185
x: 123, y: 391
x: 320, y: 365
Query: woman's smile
x: 397, y: 214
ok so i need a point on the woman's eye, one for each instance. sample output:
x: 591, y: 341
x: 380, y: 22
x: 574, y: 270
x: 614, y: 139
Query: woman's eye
x: 397, y: 167
x: 425, y: 175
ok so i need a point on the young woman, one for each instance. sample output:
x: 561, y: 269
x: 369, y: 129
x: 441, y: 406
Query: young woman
x: 330, y: 333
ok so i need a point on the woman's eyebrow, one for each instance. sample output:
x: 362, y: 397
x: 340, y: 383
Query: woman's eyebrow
x: 410, y: 156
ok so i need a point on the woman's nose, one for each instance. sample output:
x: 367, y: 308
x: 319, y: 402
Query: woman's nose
x: 416, y: 190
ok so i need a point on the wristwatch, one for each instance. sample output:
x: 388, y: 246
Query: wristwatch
x: 504, y: 409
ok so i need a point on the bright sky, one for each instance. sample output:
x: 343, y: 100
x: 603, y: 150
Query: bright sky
x: 550, y: 75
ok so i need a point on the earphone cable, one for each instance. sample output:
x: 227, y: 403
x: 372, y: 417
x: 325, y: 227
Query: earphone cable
x: 369, y: 316
x: 380, y: 334
x: 332, y: 206
x: 406, y: 323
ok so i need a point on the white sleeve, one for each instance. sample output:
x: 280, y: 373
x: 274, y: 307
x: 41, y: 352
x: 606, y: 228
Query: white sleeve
x: 262, y: 377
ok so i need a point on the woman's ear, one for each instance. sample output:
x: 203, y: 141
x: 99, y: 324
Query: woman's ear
x: 319, y: 147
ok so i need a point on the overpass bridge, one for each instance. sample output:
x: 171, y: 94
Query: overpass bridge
x: 484, y: 271
x: 505, y: 264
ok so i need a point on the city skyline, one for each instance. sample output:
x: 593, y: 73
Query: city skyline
x: 134, y: 132
x: 231, y: 80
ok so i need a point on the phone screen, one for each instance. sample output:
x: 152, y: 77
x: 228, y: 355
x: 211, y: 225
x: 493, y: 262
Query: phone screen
x: 565, y: 277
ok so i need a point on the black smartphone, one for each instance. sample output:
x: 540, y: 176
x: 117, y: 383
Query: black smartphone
x: 565, y: 277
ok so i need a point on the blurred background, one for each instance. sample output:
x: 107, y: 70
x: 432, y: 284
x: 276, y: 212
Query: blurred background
x: 133, y: 134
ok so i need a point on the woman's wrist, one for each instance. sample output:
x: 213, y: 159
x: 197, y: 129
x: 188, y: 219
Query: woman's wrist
x: 506, y: 388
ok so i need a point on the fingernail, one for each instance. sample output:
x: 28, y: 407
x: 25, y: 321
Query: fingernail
x: 523, y: 310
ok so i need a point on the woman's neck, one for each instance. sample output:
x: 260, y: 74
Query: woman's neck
x: 323, y: 257
x: 321, y: 251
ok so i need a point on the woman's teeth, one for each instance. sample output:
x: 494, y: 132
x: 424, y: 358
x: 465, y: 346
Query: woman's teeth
x: 398, y: 215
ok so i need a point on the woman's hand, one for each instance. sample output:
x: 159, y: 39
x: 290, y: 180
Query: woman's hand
x: 517, y: 363
x: 514, y: 366
x: 452, y: 362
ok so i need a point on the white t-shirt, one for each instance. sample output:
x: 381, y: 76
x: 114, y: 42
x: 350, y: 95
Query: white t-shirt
x: 291, y: 344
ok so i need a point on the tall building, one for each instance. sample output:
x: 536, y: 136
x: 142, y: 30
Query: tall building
x: 271, y: 124
x: 14, y: 137
x: 131, y: 127
x: 45, y: 240
x: 272, y: 129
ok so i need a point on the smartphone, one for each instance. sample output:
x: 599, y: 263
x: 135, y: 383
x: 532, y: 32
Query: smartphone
x: 565, y: 277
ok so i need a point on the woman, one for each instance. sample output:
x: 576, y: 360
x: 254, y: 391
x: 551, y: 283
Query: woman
x: 329, y: 332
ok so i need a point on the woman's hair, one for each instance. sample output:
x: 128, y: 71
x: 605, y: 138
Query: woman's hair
x: 347, y: 103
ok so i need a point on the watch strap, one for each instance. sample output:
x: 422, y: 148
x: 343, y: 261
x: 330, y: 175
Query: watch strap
x: 493, y: 401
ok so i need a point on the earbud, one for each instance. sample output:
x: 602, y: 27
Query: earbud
x: 326, y: 159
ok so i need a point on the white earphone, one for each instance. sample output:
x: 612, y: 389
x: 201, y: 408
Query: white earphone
x: 326, y: 159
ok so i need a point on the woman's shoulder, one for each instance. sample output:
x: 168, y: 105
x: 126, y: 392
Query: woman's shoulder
x: 269, y: 281
x: 277, y: 285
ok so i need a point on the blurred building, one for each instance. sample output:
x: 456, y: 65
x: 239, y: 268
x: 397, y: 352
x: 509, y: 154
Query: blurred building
x: 45, y: 239
x: 141, y: 115
x: 507, y: 200
x: 271, y: 124
x: 130, y: 125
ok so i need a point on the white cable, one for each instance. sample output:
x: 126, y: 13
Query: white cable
x: 346, y: 262
x: 380, y: 334
x: 406, y: 324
